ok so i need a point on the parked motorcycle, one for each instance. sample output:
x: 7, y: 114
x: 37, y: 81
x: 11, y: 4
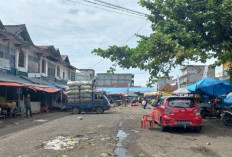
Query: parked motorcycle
x: 226, y: 117
x: 210, y: 110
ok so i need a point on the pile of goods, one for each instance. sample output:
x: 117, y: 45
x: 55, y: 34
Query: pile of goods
x: 7, y: 105
x: 79, y: 91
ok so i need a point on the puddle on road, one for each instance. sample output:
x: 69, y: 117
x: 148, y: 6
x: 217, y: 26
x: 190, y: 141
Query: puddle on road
x: 120, y: 151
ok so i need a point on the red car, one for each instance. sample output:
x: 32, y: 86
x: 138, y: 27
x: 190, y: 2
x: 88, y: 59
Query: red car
x: 177, y: 112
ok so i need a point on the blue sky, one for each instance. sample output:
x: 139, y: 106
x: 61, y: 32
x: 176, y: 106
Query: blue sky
x: 77, y: 29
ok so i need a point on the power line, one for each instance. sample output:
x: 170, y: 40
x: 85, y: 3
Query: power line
x: 135, y: 33
x: 117, y: 6
x: 119, y: 11
x: 124, y: 42
x: 113, y: 7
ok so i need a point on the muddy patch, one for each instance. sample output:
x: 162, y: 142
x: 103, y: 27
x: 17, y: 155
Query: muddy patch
x: 205, y: 151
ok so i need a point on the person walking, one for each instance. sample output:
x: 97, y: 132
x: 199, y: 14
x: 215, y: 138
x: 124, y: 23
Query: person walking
x: 144, y: 103
x: 27, y: 102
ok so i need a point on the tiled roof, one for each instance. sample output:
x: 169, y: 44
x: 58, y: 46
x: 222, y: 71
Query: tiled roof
x: 20, y: 31
x: 50, y: 50
x: 168, y: 87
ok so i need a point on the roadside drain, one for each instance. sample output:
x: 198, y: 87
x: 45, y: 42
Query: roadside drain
x: 120, y: 151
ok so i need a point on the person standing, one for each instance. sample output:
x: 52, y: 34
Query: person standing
x: 27, y: 102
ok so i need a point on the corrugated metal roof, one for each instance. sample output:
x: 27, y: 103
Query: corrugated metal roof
x: 43, y: 82
x: 17, y: 79
x: 12, y: 78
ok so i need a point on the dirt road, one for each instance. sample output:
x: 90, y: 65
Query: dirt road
x: 115, y: 132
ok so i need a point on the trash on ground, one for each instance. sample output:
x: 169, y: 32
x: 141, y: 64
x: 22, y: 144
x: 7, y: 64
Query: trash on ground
x: 208, y: 143
x: 40, y: 120
x: 135, y: 131
x: 62, y: 143
x: 105, y: 154
x: 80, y: 118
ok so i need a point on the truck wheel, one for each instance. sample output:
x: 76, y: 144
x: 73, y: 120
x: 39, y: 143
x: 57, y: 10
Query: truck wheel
x: 99, y: 110
x: 76, y: 111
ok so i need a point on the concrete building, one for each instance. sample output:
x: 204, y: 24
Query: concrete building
x: 85, y: 74
x: 225, y: 69
x: 164, y: 80
x: 115, y: 80
x: 194, y: 73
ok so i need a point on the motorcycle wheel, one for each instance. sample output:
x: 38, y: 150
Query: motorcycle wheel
x: 227, y: 120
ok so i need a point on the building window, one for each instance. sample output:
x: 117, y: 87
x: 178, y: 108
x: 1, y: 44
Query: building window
x: 72, y: 76
x: 33, y: 59
x: 58, y: 71
x: 21, y: 59
x: 51, y: 70
x: 64, y: 75
x: 43, y: 66
x: 33, y: 64
x: 69, y: 73
x: 12, y: 61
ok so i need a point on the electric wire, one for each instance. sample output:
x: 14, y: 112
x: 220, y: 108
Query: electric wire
x: 123, y: 13
x: 123, y: 43
x: 123, y: 8
x: 113, y: 7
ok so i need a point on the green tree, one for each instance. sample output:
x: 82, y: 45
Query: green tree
x: 194, y: 30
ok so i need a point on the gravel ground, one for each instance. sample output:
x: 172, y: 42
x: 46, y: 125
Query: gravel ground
x: 97, y: 134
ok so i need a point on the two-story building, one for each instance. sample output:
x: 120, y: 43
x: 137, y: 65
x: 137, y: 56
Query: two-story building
x: 26, y: 67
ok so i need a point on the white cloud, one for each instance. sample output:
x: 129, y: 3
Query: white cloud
x: 77, y: 29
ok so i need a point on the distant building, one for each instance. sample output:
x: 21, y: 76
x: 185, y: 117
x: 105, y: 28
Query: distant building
x: 115, y: 80
x: 225, y: 68
x: 163, y: 81
x: 85, y: 74
x: 194, y: 73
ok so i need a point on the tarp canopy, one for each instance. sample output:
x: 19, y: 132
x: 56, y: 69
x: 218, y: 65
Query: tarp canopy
x: 211, y: 87
x: 13, y: 84
x: 181, y: 91
x: 45, y: 89
x: 22, y: 81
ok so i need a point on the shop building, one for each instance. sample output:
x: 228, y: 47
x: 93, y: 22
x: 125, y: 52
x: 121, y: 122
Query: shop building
x: 25, y: 68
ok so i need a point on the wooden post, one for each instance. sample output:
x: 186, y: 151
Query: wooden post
x: 61, y: 98
x: 6, y: 95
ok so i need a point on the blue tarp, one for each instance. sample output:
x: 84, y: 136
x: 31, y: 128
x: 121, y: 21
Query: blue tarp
x: 211, y: 87
x: 126, y: 89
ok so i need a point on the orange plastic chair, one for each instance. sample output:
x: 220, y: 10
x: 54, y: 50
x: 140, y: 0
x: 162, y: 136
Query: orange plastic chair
x: 147, y: 118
